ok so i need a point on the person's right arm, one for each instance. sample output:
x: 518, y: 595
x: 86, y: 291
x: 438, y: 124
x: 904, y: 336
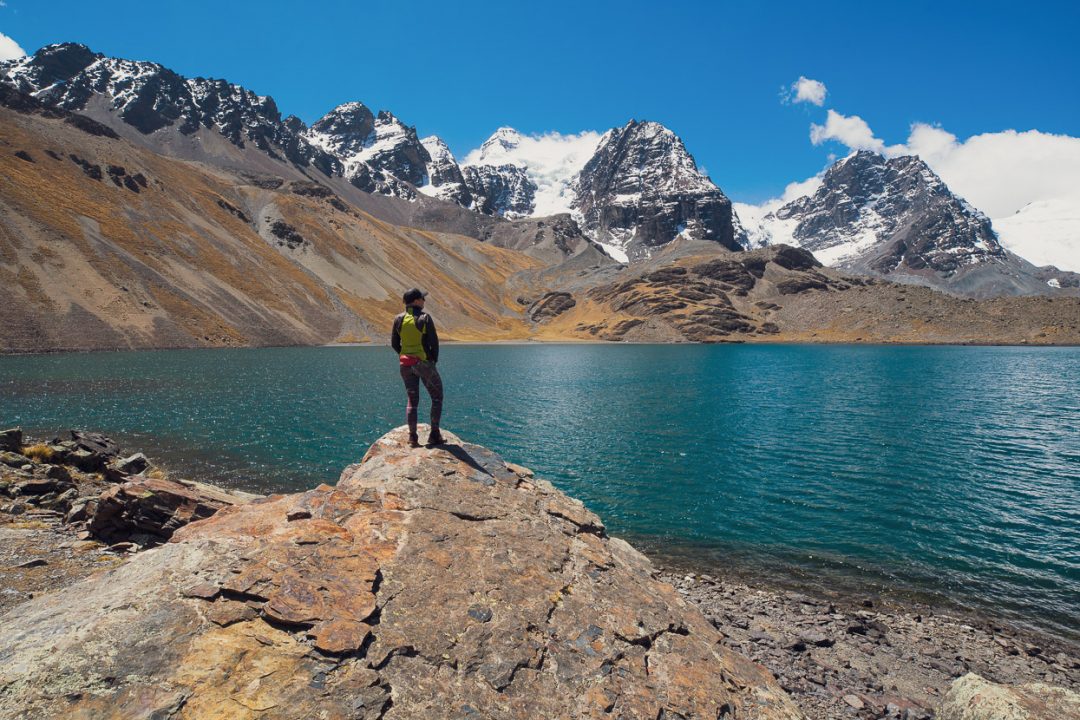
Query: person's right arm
x: 395, y: 335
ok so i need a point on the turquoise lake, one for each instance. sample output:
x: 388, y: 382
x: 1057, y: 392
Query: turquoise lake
x: 950, y: 474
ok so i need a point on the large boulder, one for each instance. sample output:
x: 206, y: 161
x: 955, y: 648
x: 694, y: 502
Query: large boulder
x: 974, y: 698
x: 436, y: 583
x: 11, y: 440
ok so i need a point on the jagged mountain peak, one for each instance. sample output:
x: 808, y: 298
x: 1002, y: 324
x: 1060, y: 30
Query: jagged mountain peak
x: 444, y: 177
x: 52, y: 63
x: 501, y: 141
x: 352, y: 118
x: 150, y: 97
x: 642, y: 189
x: 437, y: 148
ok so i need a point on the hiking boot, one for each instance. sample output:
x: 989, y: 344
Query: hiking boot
x: 435, y: 438
x: 414, y: 440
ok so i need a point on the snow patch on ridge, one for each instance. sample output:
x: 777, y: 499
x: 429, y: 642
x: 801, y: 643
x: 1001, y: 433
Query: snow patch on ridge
x: 551, y: 160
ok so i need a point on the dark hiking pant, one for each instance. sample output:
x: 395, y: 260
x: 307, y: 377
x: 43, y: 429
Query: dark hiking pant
x: 413, y: 375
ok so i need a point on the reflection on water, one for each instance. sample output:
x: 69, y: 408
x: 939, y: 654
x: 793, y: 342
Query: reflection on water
x: 953, y: 472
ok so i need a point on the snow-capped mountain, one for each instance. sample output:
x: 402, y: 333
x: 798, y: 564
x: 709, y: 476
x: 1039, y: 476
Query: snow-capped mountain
x: 887, y: 215
x: 642, y: 189
x: 379, y: 152
x: 149, y: 97
x: 633, y: 189
x: 894, y: 217
x: 546, y: 163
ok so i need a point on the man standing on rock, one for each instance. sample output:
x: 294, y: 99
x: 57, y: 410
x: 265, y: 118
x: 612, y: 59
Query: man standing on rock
x: 417, y: 344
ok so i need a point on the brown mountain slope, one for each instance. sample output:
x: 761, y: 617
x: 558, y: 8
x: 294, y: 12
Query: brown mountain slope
x: 107, y: 245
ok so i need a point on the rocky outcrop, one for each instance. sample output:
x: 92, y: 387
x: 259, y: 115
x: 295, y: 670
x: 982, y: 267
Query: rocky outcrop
x: 444, y: 178
x: 11, y: 440
x: 147, y: 511
x: 710, y: 300
x: 975, y: 698
x: 550, y: 305
x: 87, y: 485
x: 429, y: 583
x: 503, y: 190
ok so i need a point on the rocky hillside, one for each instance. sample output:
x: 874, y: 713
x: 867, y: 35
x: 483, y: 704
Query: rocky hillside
x: 782, y: 294
x: 895, y: 218
x: 106, y: 244
x: 426, y: 582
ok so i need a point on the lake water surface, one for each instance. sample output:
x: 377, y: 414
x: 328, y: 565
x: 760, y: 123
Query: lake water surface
x: 950, y: 473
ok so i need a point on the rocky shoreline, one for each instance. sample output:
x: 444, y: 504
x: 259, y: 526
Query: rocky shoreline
x: 78, y: 506
x: 855, y: 657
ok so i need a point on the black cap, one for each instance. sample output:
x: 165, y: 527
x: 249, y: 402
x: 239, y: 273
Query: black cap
x: 413, y: 295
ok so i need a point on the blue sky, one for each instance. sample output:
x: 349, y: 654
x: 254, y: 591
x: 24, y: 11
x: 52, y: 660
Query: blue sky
x: 713, y: 72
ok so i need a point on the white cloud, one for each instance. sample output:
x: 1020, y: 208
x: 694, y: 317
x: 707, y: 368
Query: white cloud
x: 851, y: 130
x: 1001, y: 172
x: 550, y: 160
x: 9, y: 49
x: 806, y: 90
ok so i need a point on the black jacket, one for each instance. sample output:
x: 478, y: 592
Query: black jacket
x: 430, y: 338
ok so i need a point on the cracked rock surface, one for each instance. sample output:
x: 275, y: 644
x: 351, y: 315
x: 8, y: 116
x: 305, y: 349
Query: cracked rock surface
x: 435, y: 582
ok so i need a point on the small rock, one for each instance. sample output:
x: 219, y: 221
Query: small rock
x: 57, y: 472
x: 85, y: 460
x: 78, y: 513
x: 13, y: 459
x: 226, y: 612
x: 203, y: 590
x: 95, y: 443
x: 854, y: 701
x: 520, y: 470
x: 131, y: 465
x: 38, y: 486
x: 340, y: 636
x: 480, y: 614
x: 817, y: 639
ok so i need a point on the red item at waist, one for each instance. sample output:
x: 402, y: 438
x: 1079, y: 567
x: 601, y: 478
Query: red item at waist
x: 408, y: 360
